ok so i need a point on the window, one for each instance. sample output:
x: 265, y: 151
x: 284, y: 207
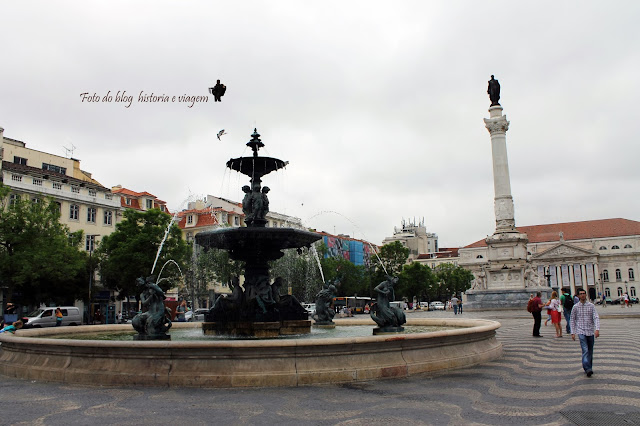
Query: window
x: 92, y: 192
x: 632, y: 291
x: 189, y: 237
x: 91, y: 215
x: 602, y: 248
x: 619, y: 291
x: 190, y: 219
x: 90, y: 243
x: 108, y: 217
x: 149, y: 204
x: 13, y: 198
x: 628, y: 246
x: 607, y: 292
x: 35, y: 200
x: 605, y: 276
x: 57, y: 185
x: 108, y: 196
x: 19, y: 160
x: 236, y: 220
x: 162, y: 208
x: 75, y: 189
x: 615, y: 248
x: 127, y: 201
x: 53, y: 168
x: 618, y: 275
x: 37, y: 182
x: 632, y: 276
x: 59, y: 206
x: 74, y: 212
x: 16, y: 178
x: 479, y: 256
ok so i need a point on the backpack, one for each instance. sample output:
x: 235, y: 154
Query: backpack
x: 530, y: 306
x: 568, y: 302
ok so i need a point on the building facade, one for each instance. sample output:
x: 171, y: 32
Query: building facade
x: 601, y: 256
x: 414, y: 236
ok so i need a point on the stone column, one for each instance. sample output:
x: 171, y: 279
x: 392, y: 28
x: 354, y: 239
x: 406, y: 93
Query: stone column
x: 498, y: 125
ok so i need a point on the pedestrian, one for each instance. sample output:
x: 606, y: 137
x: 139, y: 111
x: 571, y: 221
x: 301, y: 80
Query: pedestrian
x: 567, y: 304
x: 548, y: 309
x: 626, y: 300
x: 181, y: 309
x: 460, y: 306
x: 585, y: 322
x: 535, y: 307
x: 58, y: 317
x: 554, y: 308
x: 454, y: 304
x: 119, y: 317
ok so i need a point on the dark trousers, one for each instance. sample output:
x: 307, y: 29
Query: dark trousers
x: 537, y: 320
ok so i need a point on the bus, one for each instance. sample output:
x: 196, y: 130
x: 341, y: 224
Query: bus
x: 356, y: 304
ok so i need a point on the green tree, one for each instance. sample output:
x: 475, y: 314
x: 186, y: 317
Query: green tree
x: 353, y: 278
x: 40, y: 259
x: 300, y: 271
x: 393, y: 256
x: 452, y: 279
x: 130, y: 251
x: 416, y: 280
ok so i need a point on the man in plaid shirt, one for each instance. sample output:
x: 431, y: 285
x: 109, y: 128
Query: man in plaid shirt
x: 585, y: 322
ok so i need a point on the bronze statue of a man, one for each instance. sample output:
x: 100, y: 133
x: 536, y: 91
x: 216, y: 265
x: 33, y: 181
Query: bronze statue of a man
x: 494, y: 91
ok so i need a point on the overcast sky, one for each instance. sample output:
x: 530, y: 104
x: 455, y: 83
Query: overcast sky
x: 378, y: 106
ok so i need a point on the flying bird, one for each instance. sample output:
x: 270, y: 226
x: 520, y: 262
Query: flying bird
x: 220, y: 133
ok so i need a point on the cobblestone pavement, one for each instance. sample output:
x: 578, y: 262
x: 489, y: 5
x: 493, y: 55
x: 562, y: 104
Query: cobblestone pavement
x: 538, y: 381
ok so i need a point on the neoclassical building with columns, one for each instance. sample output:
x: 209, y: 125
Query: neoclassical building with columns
x: 602, y: 256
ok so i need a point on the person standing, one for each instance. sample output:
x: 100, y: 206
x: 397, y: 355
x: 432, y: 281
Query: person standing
x: 585, y: 322
x: 454, y: 304
x: 554, y: 310
x: 567, y: 304
x: 460, y: 305
x: 536, y: 309
x: 58, y: 317
x: 626, y: 300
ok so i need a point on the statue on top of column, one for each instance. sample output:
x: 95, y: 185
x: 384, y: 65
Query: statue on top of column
x: 494, y: 91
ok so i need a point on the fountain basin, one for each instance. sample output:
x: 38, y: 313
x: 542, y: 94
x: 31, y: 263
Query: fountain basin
x: 245, y: 363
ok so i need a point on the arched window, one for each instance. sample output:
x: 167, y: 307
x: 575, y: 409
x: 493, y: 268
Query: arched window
x: 632, y: 276
x: 602, y: 248
x: 628, y: 246
x: 619, y: 291
x: 615, y: 248
x: 632, y: 290
x: 618, y: 275
x: 607, y: 292
x: 605, y: 275
x: 479, y: 256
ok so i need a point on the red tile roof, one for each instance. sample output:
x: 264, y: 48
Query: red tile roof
x: 442, y: 254
x: 603, y: 228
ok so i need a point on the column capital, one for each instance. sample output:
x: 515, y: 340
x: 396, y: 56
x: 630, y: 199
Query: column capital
x: 497, y: 125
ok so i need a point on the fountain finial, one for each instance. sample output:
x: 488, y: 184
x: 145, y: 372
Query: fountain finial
x: 255, y: 143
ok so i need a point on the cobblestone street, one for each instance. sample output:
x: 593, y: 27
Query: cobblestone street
x: 538, y: 381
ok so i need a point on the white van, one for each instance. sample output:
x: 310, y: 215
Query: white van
x: 46, y: 317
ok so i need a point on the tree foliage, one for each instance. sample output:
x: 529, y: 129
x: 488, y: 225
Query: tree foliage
x: 452, y: 279
x: 393, y: 256
x: 40, y: 259
x: 416, y: 280
x: 130, y: 251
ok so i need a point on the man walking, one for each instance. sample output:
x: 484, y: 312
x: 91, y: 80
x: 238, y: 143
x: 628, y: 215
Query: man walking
x: 567, y: 305
x: 535, y: 306
x: 585, y: 322
x: 454, y: 304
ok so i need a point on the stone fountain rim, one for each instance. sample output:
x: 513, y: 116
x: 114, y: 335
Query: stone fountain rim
x: 38, y: 336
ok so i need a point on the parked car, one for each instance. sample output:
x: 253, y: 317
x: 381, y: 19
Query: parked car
x: 46, y: 317
x: 310, y: 308
x: 436, y: 306
x: 199, y: 314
